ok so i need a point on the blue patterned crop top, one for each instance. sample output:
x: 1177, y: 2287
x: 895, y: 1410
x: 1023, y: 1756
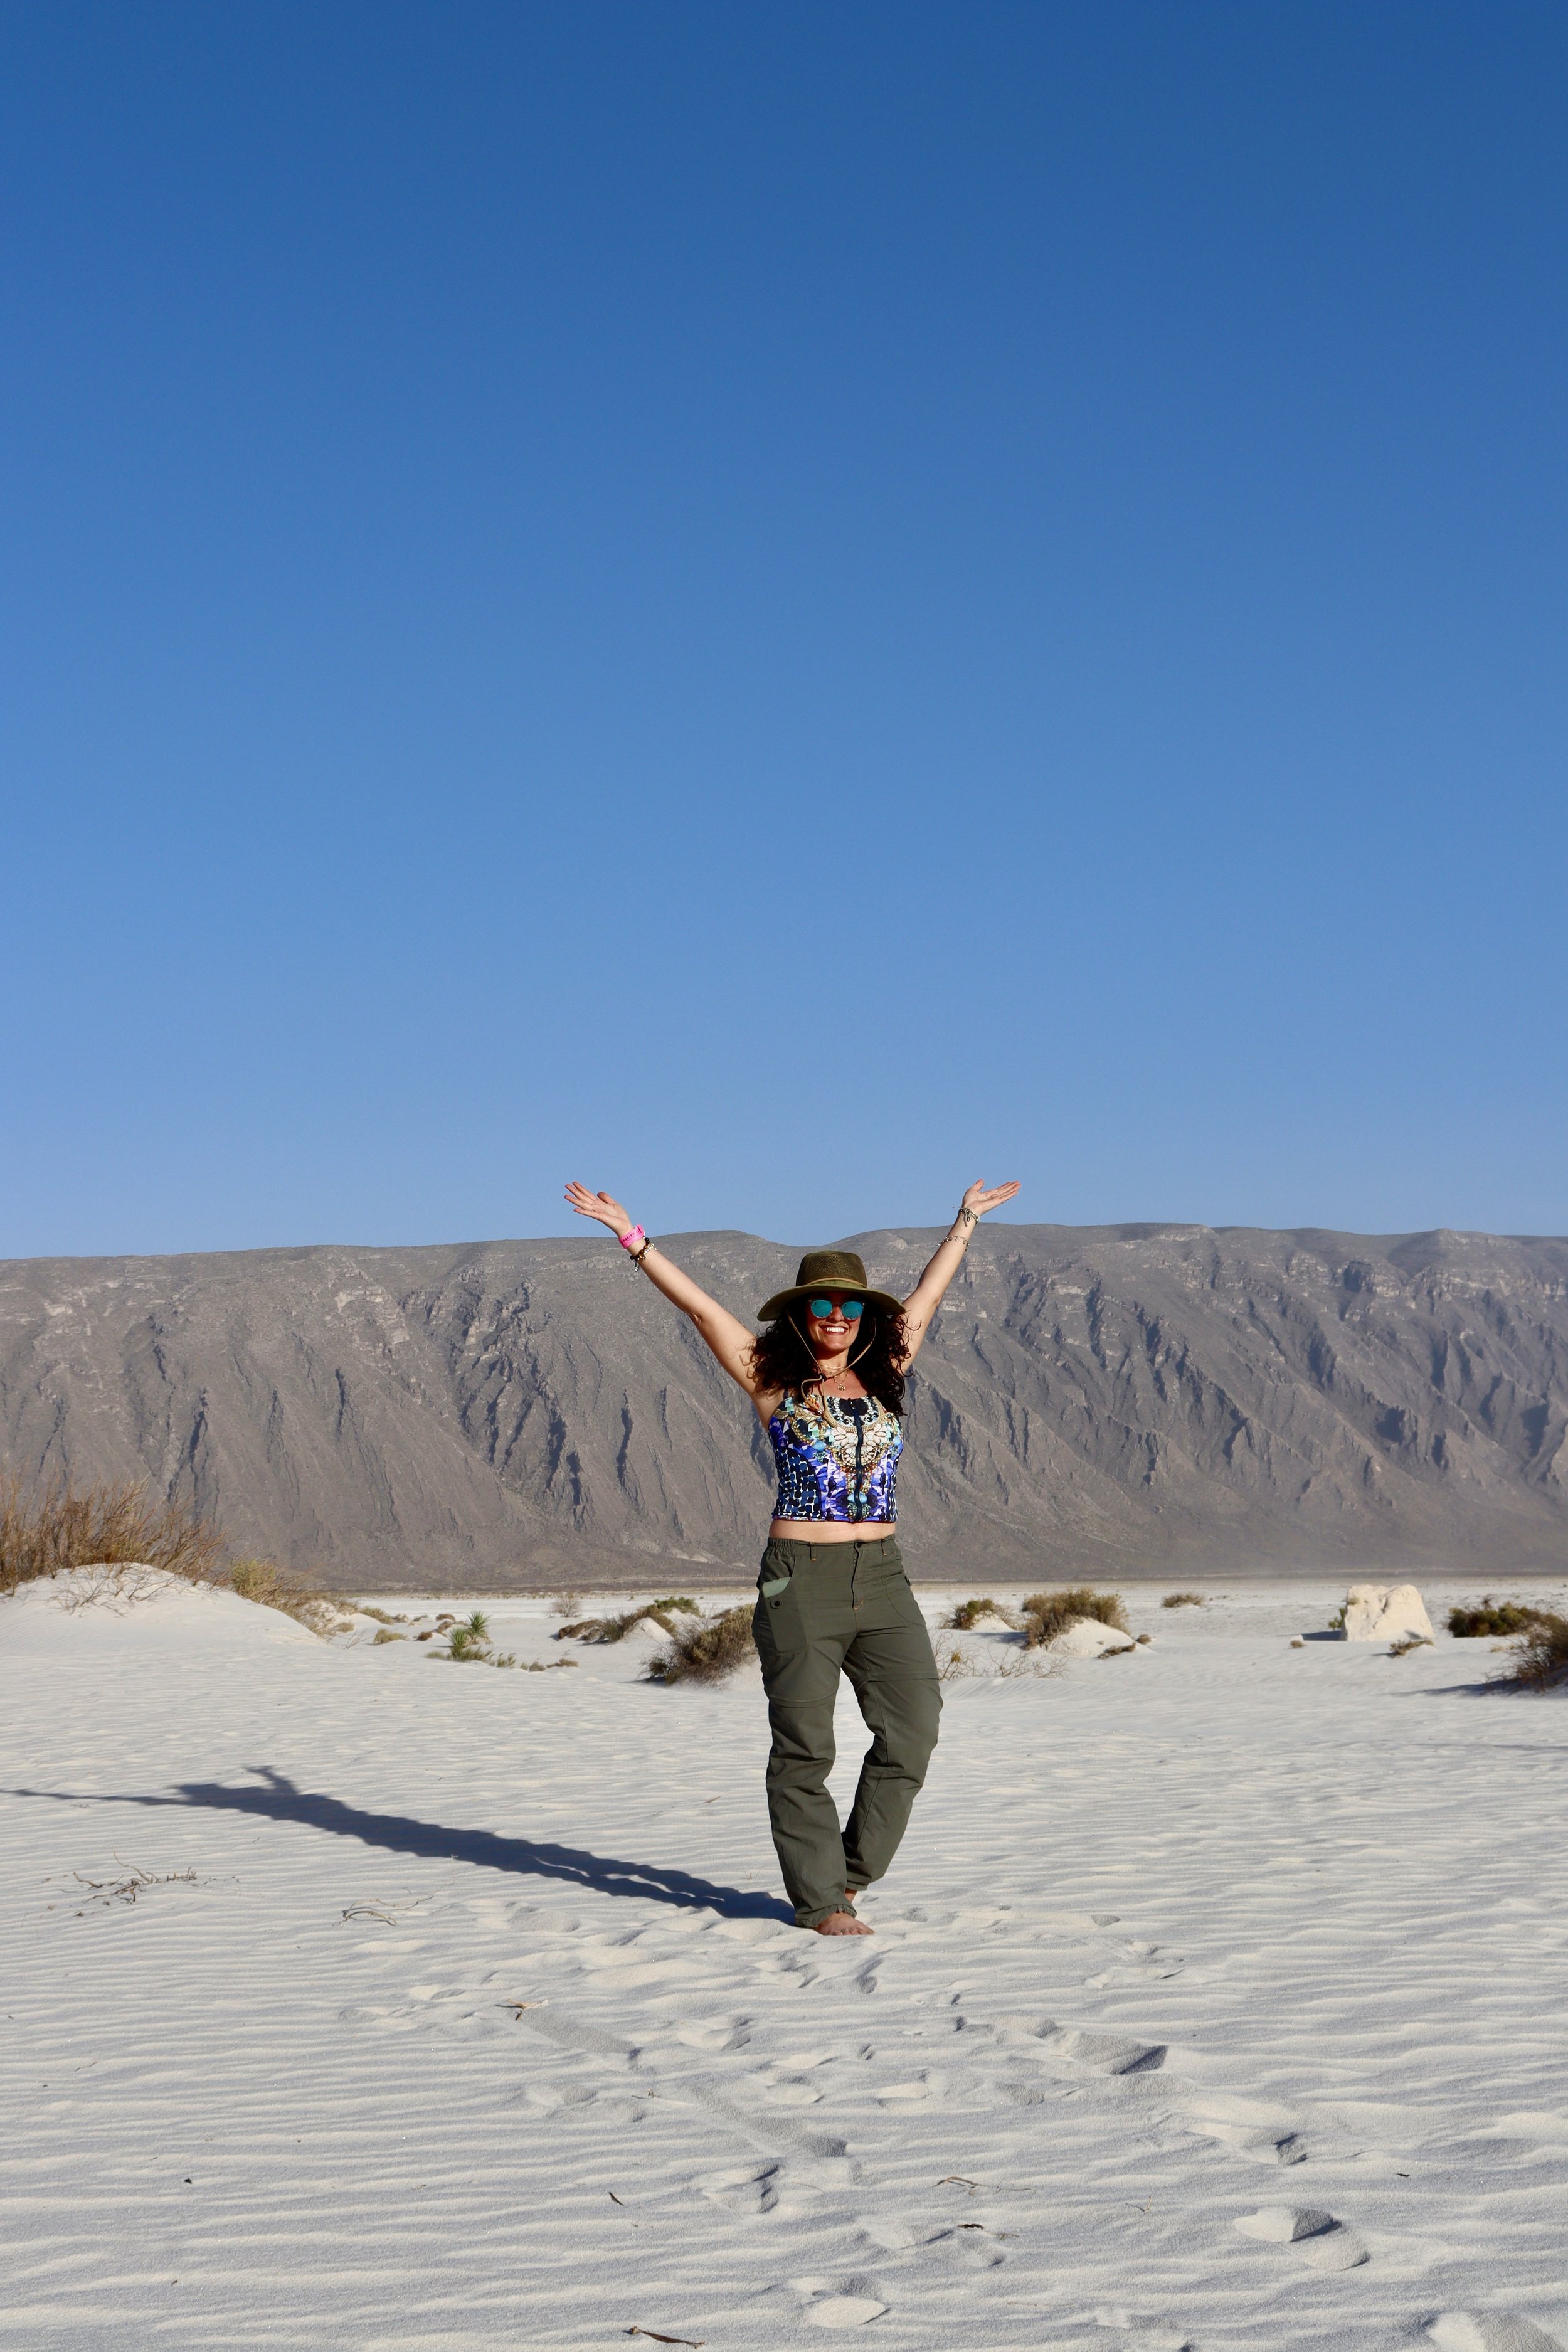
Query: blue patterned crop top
x: 838, y: 1463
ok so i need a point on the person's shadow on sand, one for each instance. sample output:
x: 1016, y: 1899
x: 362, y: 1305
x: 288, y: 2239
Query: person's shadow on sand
x: 279, y: 1799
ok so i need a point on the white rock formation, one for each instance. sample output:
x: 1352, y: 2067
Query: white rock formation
x: 1385, y: 1612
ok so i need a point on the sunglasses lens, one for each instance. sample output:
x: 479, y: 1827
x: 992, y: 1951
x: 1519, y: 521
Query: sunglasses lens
x: 853, y: 1309
x: 821, y: 1308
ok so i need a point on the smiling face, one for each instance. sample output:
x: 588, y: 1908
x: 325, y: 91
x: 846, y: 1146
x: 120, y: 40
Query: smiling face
x: 830, y: 1334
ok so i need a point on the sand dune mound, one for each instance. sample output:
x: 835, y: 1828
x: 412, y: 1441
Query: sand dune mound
x: 135, y: 1609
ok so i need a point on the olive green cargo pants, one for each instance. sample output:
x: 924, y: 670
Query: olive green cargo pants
x: 825, y: 1610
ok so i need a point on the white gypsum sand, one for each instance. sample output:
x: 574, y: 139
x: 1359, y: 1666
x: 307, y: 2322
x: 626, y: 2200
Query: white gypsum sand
x: 1219, y: 1997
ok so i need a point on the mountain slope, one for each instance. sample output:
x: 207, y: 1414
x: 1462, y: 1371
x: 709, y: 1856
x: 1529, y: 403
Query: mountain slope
x: 1094, y: 1398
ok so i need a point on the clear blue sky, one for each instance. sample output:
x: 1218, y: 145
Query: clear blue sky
x: 778, y: 607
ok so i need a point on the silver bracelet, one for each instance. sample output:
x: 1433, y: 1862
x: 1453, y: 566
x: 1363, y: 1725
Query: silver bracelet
x: 969, y: 1219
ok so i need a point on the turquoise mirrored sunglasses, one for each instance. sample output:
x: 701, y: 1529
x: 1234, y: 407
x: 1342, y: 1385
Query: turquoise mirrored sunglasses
x: 851, y: 1309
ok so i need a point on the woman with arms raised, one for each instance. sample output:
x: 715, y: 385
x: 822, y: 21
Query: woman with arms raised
x: 827, y: 1378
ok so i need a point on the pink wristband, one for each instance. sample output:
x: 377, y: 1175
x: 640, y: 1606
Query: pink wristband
x: 630, y: 1240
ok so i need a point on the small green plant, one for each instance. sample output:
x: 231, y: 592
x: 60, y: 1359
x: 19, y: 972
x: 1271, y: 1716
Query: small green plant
x: 479, y: 1625
x: 1046, y: 1614
x: 1183, y: 1600
x: 707, y: 1651
x: 1337, y: 1622
x: 1497, y: 1617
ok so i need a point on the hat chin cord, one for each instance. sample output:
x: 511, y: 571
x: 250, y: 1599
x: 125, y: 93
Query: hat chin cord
x: 816, y: 1380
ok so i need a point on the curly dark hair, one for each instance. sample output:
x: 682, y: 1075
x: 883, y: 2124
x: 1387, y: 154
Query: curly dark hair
x: 782, y: 1358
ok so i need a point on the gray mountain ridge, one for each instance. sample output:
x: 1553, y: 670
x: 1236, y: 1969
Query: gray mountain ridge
x: 1092, y: 1401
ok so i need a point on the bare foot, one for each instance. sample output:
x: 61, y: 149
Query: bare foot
x: 842, y: 1923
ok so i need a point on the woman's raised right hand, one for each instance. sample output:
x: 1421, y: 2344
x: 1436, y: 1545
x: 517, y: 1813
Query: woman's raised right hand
x: 600, y: 1205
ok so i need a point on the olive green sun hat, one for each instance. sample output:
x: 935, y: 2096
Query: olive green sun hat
x: 828, y: 1270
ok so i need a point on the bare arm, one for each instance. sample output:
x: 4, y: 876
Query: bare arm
x: 927, y: 1295
x: 727, y: 1337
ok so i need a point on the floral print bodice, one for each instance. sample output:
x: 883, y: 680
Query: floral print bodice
x: 839, y: 1462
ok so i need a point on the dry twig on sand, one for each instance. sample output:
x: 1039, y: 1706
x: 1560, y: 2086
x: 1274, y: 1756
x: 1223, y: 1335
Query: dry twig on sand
x: 1183, y: 1600
x: 45, y: 1531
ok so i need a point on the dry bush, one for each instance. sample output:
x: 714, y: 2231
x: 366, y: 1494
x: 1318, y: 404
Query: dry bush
x: 968, y: 1614
x: 1495, y: 1617
x: 61, y: 1527
x: 615, y: 1629
x: 1542, y: 1654
x: 706, y: 1652
x: 271, y: 1587
x: 1183, y: 1600
x: 1046, y: 1614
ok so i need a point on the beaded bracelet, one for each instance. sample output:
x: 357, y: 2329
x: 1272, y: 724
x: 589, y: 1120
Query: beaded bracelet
x: 629, y: 1241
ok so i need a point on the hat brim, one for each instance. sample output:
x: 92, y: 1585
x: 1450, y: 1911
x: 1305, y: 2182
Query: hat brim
x: 774, y: 1307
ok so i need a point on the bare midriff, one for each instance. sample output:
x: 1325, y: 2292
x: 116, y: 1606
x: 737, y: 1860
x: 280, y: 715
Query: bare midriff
x: 830, y: 1532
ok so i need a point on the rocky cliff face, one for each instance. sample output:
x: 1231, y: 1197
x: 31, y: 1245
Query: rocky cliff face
x: 1092, y: 1401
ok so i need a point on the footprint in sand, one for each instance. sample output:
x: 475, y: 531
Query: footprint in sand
x: 697, y: 2036
x: 757, y: 2189
x: 910, y: 2094
x: 844, y: 2310
x: 780, y: 2090
x: 1322, y: 2242
x: 1255, y: 2131
x: 1489, y: 2331
x: 1105, y: 2053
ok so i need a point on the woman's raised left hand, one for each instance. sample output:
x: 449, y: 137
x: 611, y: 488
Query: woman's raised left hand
x: 980, y: 1197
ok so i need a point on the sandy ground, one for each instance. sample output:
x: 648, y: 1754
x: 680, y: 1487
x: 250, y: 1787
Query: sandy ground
x: 1219, y: 1999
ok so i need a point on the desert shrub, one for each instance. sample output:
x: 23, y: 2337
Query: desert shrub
x: 1495, y: 1617
x: 381, y: 1616
x: 1046, y: 1614
x: 1183, y: 1600
x: 271, y: 1587
x: 968, y: 1614
x: 1542, y: 1654
x: 707, y: 1651
x: 60, y: 1527
x: 386, y: 1635
x: 615, y: 1629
